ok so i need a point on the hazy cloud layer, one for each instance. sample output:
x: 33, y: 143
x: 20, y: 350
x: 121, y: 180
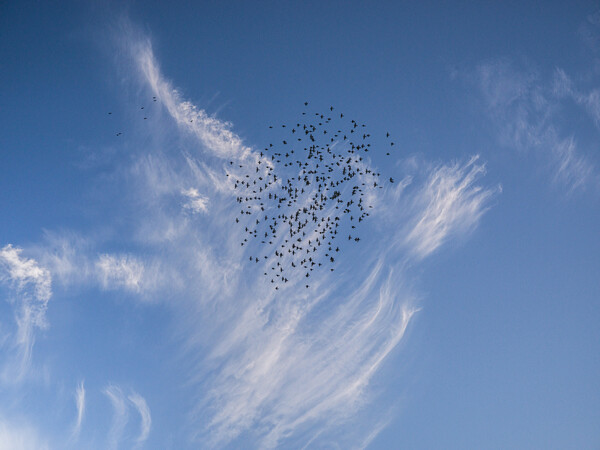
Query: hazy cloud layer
x: 18, y: 436
x: 527, y: 110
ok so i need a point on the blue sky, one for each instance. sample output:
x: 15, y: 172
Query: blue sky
x: 467, y: 316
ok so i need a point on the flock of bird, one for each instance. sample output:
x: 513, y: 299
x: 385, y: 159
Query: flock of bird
x: 306, y: 187
x: 120, y: 133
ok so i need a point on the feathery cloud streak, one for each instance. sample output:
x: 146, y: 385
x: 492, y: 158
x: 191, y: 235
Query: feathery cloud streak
x: 121, y: 405
x: 80, y: 404
x: 450, y: 204
x: 32, y: 285
x: 120, y: 415
x: 141, y: 406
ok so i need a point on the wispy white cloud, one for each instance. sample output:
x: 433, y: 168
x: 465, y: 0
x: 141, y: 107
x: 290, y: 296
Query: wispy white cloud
x: 214, y: 134
x: 22, y: 272
x: 121, y: 405
x: 122, y: 271
x: 65, y: 255
x: 120, y: 415
x: 572, y: 169
x: 77, y: 262
x: 300, y: 368
x: 32, y: 285
x: 375, y: 431
x: 145, y: 419
x: 449, y: 204
x: 591, y: 101
x: 80, y: 404
x: 527, y: 114
x: 515, y: 101
x: 562, y: 85
x: 195, y: 202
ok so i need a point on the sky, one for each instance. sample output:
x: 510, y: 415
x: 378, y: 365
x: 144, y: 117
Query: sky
x: 130, y: 316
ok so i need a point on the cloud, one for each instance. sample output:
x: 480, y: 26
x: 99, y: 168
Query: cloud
x: 527, y: 113
x: 214, y: 134
x: 376, y: 430
x: 196, y: 202
x: 146, y: 421
x: 265, y: 370
x: 76, y: 262
x: 591, y: 100
x: 449, y: 204
x: 65, y: 255
x: 262, y: 370
x: 80, y: 404
x: 302, y: 367
x: 515, y: 101
x: 278, y: 370
x: 121, y: 405
x: 572, y: 169
x: 120, y: 415
x: 562, y: 86
x: 23, y: 272
x: 121, y: 271
x: 32, y: 285
x: 16, y: 436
